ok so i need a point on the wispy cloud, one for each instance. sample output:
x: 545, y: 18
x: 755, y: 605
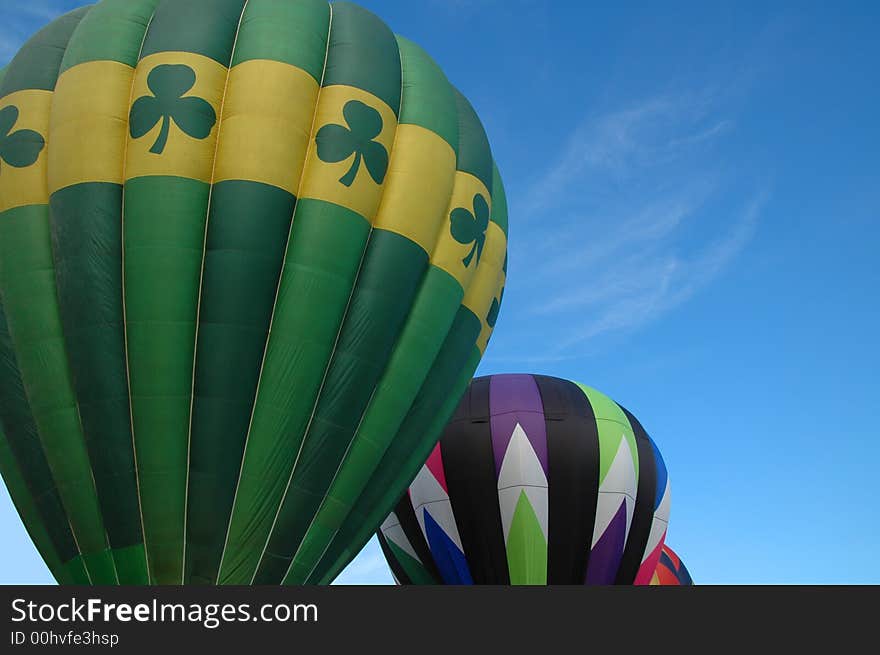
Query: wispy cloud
x: 618, y: 145
x: 641, y: 289
x: 643, y: 218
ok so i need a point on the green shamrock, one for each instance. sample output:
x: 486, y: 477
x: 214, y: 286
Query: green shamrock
x: 470, y: 228
x: 492, y: 316
x: 21, y: 148
x: 168, y: 82
x: 337, y: 143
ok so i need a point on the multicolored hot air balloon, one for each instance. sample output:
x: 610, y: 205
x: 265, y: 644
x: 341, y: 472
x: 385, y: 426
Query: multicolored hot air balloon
x: 536, y: 480
x: 670, y: 570
x: 251, y: 253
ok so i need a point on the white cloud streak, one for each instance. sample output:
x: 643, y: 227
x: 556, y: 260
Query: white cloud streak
x: 643, y: 220
x: 640, y: 290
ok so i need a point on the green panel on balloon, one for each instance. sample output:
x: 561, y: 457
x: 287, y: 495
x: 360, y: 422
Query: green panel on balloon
x: 22, y: 441
x: 247, y: 232
x: 427, y: 325
x: 387, y: 282
x: 112, y: 31
x: 452, y: 370
x: 413, y: 568
x: 27, y: 510
x: 366, y: 68
x: 163, y: 238
x: 475, y: 156
x: 613, y: 427
x: 294, y: 33
x: 354, y: 536
x: 29, y: 298
x: 203, y: 27
x: 430, y: 99
x: 37, y: 64
x: 322, y: 262
x: 87, y: 235
x: 526, y: 546
x: 29, y: 291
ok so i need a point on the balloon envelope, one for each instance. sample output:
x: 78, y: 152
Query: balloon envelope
x: 671, y: 571
x: 251, y: 252
x: 536, y: 480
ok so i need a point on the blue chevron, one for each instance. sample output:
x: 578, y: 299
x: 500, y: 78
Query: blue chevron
x: 449, y: 559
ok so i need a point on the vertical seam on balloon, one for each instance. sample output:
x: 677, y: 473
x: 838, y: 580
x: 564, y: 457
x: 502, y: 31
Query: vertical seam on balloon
x: 364, y: 537
x: 427, y: 269
x: 124, y: 309
x: 26, y: 477
x: 69, y: 376
x: 338, y: 332
x: 344, y: 459
x: 79, y: 552
x: 201, y: 286
x: 332, y: 356
x: 42, y: 447
x: 274, y: 305
x: 82, y: 431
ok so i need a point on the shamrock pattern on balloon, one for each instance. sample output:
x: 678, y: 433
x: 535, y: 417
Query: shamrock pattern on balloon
x: 169, y: 83
x: 470, y: 227
x: 19, y: 148
x: 336, y: 143
x: 492, y: 316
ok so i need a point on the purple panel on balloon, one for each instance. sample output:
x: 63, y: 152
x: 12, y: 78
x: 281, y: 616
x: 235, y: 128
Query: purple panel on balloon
x: 608, y: 551
x: 515, y: 399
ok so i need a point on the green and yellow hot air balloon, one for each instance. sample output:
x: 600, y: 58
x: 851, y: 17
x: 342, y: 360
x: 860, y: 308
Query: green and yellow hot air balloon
x: 251, y: 253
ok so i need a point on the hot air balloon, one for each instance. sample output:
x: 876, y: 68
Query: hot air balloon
x: 670, y: 570
x: 251, y: 253
x: 536, y: 480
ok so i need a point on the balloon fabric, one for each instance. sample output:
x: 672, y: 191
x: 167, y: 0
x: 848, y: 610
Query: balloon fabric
x: 251, y: 253
x: 536, y: 480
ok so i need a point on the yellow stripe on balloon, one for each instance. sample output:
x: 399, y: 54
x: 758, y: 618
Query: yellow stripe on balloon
x: 485, y: 286
x: 448, y: 253
x: 266, y: 124
x: 89, y: 123
x: 487, y: 330
x: 183, y: 155
x: 20, y: 187
x: 421, y: 175
x: 321, y: 179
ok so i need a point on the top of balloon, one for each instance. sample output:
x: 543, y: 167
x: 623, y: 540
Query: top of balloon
x: 337, y: 44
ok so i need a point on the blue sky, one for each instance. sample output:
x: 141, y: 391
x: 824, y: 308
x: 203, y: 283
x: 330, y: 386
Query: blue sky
x: 694, y: 195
